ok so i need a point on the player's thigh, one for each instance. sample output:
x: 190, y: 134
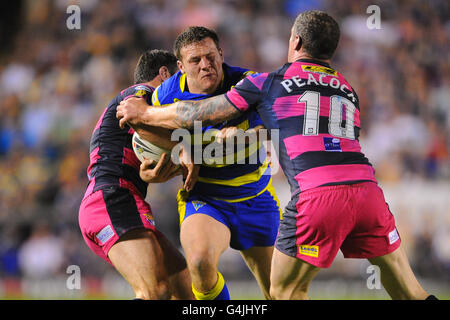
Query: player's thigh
x: 204, y: 232
x: 202, y: 235
x: 138, y: 256
x: 290, y: 276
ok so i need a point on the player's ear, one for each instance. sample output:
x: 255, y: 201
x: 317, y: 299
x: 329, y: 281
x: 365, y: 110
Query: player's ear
x: 180, y: 66
x: 298, y: 43
x: 221, y: 55
x: 164, y: 73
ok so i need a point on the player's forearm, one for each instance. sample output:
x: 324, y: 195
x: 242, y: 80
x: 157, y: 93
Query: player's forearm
x: 164, y: 117
x: 183, y: 114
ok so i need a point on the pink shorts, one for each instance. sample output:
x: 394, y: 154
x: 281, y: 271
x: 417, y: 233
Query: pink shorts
x: 354, y: 218
x: 107, y: 214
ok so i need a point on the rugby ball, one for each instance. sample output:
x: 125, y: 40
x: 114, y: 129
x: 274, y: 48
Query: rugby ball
x: 146, y: 150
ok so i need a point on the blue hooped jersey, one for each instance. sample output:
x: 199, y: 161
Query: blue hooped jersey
x: 241, y: 171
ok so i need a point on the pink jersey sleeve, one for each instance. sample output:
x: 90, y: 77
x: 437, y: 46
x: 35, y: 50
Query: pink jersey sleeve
x: 248, y: 92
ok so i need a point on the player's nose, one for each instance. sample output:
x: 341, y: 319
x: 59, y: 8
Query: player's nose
x: 205, y: 63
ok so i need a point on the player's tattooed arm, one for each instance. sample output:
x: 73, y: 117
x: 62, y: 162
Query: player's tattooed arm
x: 210, y: 111
x: 181, y: 114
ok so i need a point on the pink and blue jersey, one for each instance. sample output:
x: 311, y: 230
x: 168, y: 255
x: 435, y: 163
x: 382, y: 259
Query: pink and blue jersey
x: 317, y: 114
x: 112, y: 159
x: 114, y: 201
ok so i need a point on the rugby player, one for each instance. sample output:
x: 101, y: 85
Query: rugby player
x: 115, y: 220
x: 232, y: 204
x: 336, y: 202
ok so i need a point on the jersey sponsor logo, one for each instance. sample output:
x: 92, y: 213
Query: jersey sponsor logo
x: 141, y: 91
x: 393, y: 236
x: 332, y: 144
x: 312, y: 251
x: 319, y: 69
x: 198, y: 204
x: 105, y: 234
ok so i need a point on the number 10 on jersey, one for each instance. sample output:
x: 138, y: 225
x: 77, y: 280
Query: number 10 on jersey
x: 340, y: 109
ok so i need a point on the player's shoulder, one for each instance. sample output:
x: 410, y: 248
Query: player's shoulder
x: 138, y: 90
x: 233, y: 69
x: 280, y: 71
x: 168, y: 90
x: 238, y: 73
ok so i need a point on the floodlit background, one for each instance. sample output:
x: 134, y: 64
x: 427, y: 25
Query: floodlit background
x: 55, y: 83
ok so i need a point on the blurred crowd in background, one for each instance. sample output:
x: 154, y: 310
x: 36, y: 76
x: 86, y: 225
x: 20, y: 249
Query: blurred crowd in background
x: 55, y: 83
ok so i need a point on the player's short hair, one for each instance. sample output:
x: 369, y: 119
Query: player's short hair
x: 151, y: 61
x: 191, y: 35
x: 319, y: 33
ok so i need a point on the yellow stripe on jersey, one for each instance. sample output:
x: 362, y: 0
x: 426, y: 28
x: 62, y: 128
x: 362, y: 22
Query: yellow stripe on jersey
x: 234, y: 158
x: 210, y: 135
x: 239, y: 181
x: 272, y: 192
x: 155, y: 100
x: 243, y: 125
x: 266, y: 188
x: 183, y: 82
x: 182, y: 197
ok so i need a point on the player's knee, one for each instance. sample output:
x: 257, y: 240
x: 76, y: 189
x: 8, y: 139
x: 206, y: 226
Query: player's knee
x: 201, y: 262
x: 276, y: 292
x: 160, y: 291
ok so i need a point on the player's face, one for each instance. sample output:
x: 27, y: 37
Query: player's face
x: 202, y: 63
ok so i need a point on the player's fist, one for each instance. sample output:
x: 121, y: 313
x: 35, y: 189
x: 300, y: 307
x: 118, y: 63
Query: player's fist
x: 226, y: 133
x: 161, y: 172
x: 190, y: 170
x: 130, y: 111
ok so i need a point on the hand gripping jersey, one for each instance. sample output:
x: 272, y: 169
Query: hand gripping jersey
x: 317, y: 114
x: 112, y: 159
x: 226, y: 181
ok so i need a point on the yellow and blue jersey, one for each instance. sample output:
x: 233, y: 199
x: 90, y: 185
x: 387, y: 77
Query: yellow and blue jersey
x: 249, y: 174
